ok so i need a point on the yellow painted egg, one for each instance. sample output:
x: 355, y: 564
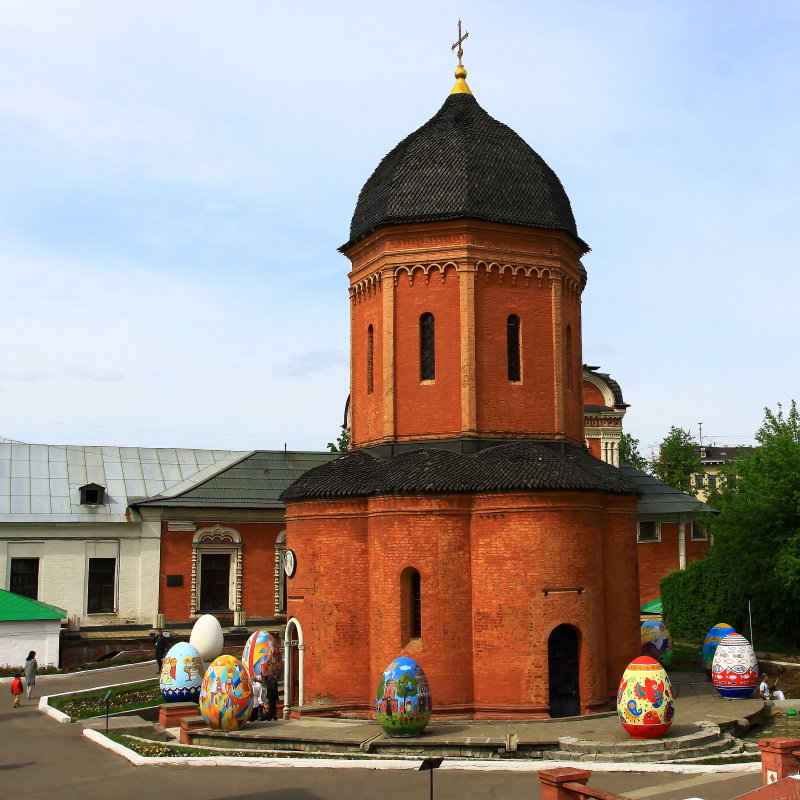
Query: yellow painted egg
x: 645, y: 700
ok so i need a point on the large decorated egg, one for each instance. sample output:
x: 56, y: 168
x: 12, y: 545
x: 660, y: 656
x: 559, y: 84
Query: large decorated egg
x: 181, y: 674
x: 645, y: 700
x: 711, y: 642
x: 262, y: 655
x: 656, y: 641
x: 207, y: 637
x: 226, y: 695
x: 734, y: 670
x: 403, y: 704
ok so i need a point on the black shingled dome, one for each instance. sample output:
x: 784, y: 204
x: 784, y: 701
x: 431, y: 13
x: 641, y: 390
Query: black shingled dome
x: 463, y: 164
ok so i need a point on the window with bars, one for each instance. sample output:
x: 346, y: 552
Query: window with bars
x: 513, y: 348
x: 24, y: 578
x: 427, y: 347
x: 649, y: 531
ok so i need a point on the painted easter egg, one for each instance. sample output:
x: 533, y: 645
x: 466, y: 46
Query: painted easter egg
x: 181, y: 674
x: 226, y: 695
x: 711, y: 642
x: 207, y: 637
x: 656, y: 641
x: 645, y: 700
x: 403, y: 703
x: 734, y: 671
x: 262, y: 655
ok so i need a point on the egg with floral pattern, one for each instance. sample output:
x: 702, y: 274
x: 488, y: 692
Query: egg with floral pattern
x: 262, y: 655
x: 403, y: 703
x: 226, y: 694
x: 645, y: 702
x: 181, y: 674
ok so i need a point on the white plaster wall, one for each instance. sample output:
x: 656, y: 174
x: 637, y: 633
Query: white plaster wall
x: 64, y: 551
x: 18, y: 638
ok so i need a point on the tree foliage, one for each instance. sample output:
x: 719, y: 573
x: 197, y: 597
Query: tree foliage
x: 629, y: 452
x: 756, y: 553
x: 678, y: 460
x: 342, y: 443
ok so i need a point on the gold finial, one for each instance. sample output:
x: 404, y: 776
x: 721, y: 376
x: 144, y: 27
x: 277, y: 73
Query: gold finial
x: 461, y: 73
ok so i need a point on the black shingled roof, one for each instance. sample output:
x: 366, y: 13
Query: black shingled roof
x: 463, y: 164
x: 517, y: 466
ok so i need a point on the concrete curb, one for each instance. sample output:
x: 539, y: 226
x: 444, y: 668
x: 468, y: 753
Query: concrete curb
x: 46, y: 708
x: 98, y: 671
x: 411, y: 763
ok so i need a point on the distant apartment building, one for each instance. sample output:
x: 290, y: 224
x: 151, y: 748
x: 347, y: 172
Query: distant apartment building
x: 713, y: 458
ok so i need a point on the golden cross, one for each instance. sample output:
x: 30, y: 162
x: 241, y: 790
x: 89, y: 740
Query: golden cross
x: 459, y: 43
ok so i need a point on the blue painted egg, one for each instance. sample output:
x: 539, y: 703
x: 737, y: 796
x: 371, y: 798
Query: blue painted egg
x: 262, y: 655
x: 734, y: 671
x: 226, y: 695
x: 711, y: 642
x: 181, y: 674
x: 403, y: 703
x: 656, y: 641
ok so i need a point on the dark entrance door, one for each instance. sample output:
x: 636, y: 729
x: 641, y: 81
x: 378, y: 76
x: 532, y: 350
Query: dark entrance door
x: 562, y: 656
x: 215, y: 581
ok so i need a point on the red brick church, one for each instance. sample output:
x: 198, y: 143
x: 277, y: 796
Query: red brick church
x: 468, y: 527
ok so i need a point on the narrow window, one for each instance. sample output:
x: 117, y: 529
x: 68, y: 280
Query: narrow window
x: 370, y: 345
x: 569, y: 356
x: 215, y: 582
x: 100, y: 590
x: 411, y: 605
x: 512, y: 341
x: 427, y: 348
x: 25, y: 577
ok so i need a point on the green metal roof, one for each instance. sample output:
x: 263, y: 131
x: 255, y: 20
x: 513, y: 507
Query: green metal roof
x: 255, y: 481
x: 16, y: 607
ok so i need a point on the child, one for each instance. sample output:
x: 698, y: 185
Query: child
x: 16, y: 689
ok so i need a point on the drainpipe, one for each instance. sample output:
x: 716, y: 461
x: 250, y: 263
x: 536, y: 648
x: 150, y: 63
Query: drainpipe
x: 681, y: 542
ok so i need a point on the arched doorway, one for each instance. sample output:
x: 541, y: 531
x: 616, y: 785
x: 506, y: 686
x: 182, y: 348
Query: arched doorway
x: 563, y: 669
x: 293, y: 651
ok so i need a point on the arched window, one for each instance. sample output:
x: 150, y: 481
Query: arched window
x: 512, y: 342
x: 568, y: 359
x: 410, y: 605
x: 427, y: 348
x: 370, y: 352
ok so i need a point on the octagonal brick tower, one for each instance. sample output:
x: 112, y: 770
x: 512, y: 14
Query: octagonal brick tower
x: 468, y: 527
x: 463, y: 228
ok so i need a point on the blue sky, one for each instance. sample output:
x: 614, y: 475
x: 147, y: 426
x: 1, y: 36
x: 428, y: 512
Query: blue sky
x: 177, y: 176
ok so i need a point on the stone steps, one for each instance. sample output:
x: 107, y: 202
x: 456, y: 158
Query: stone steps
x: 704, y: 742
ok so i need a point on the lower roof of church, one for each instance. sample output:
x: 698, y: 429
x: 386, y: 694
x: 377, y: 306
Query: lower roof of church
x: 510, y: 467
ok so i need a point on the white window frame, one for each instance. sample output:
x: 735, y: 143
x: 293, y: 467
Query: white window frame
x: 656, y: 531
x: 222, y: 540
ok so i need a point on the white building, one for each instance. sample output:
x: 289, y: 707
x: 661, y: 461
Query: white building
x: 68, y: 536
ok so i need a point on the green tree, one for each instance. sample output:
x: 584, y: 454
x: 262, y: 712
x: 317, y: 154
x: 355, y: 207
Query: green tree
x: 342, y: 443
x: 678, y: 460
x: 756, y: 553
x: 629, y: 452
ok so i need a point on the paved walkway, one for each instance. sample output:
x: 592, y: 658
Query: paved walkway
x: 40, y: 759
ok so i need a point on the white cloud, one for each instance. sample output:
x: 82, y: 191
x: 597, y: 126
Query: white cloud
x: 96, y: 374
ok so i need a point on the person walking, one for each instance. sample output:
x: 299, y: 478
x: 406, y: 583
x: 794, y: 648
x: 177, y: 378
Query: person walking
x: 16, y: 689
x: 30, y: 672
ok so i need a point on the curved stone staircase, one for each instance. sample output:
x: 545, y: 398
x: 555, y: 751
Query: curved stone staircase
x: 706, y: 740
